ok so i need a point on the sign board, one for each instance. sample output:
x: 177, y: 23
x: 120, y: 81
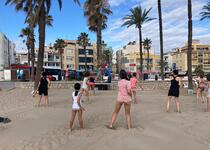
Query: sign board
x: 132, y: 65
x: 7, y: 75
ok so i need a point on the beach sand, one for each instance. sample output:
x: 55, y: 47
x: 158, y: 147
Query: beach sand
x: 153, y: 129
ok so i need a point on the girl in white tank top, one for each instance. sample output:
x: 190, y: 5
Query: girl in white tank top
x: 76, y: 106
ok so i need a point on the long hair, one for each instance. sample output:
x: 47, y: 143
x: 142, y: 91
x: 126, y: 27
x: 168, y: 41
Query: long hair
x: 77, y: 87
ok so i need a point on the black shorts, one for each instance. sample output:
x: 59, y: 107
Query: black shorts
x: 43, y: 92
x: 173, y: 92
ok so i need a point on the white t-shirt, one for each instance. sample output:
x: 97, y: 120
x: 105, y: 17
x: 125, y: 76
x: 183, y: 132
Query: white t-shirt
x: 84, y: 83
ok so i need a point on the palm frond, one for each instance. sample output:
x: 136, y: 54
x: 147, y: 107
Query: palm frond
x: 206, y: 12
x: 137, y: 17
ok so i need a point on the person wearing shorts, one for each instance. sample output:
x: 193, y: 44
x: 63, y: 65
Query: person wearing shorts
x: 76, y: 107
x: 91, y: 83
x: 85, y: 88
x: 133, y: 81
x: 124, y: 98
x: 43, y: 89
x: 200, y: 89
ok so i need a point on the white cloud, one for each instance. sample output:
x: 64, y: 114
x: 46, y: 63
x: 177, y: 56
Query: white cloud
x: 175, y: 25
x: 116, y: 2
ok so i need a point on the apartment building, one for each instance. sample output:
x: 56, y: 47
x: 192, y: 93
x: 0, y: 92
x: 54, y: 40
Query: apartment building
x: 69, y: 55
x: 168, y: 61
x: 200, y: 56
x: 73, y: 57
x: 51, y: 58
x: 78, y: 56
x: 7, y: 52
x: 128, y: 58
x: 21, y: 58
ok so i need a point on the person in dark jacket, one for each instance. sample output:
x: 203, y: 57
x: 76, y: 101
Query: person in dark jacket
x: 44, y: 83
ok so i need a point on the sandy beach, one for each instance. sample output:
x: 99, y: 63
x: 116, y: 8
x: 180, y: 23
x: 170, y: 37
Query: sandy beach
x: 153, y: 129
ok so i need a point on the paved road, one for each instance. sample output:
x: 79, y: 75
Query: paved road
x: 7, y: 85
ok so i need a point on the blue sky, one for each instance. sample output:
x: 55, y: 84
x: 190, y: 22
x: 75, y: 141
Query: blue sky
x: 70, y: 22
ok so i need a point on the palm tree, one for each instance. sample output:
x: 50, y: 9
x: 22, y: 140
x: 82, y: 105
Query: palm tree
x: 161, y: 39
x: 107, y: 56
x: 83, y: 41
x: 137, y: 18
x: 42, y: 8
x: 59, y: 46
x: 96, y: 12
x: 189, y: 53
x: 25, y: 33
x: 206, y: 11
x: 147, y: 45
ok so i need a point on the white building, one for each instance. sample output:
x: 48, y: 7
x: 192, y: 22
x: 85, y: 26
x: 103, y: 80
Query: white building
x: 7, y: 52
x: 51, y: 58
x: 128, y: 58
x: 167, y: 57
x: 22, y: 58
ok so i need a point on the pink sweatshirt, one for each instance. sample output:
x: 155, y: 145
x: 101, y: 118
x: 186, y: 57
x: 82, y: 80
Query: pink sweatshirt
x: 124, y: 90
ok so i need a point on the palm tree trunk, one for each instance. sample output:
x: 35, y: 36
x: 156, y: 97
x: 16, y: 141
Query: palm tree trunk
x: 140, y: 52
x: 32, y: 57
x: 85, y: 59
x: 61, y: 61
x: 189, y: 53
x: 148, y: 60
x: 99, y: 51
x: 161, y: 39
x: 42, y: 26
x: 29, y: 57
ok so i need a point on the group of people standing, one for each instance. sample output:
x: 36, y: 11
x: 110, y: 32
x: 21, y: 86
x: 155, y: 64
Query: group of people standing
x: 126, y: 94
x: 174, y: 91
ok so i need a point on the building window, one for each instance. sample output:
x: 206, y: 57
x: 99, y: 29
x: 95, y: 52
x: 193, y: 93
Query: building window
x: 69, y: 58
x: 57, y: 64
x: 82, y: 60
x: 50, y: 57
x: 51, y: 64
x: 57, y: 57
x: 82, y: 52
x: 90, y: 52
x: 69, y: 51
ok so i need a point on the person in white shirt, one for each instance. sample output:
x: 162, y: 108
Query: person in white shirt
x: 76, y: 106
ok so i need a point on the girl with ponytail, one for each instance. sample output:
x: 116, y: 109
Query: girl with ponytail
x: 77, y: 106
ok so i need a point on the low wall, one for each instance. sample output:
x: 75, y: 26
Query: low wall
x: 147, y: 85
